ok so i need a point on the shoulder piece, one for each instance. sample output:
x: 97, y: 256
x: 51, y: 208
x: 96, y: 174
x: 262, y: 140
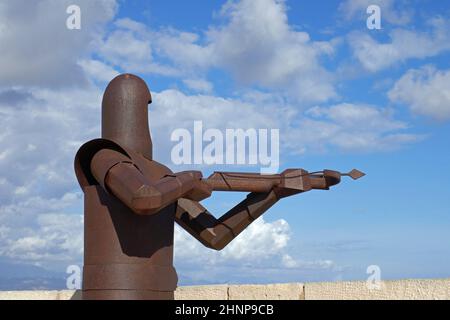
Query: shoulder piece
x: 84, y: 156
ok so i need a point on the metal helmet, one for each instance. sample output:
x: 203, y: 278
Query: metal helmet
x: 125, y: 114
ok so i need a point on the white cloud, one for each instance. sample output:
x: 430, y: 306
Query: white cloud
x: 396, y: 13
x: 41, y: 131
x: 351, y: 127
x: 403, y: 45
x: 98, y: 70
x: 40, y: 137
x: 183, y: 50
x: 174, y: 106
x: 36, y: 46
x: 199, y: 85
x: 345, y: 126
x: 259, y: 46
x: 256, y: 44
x: 41, y: 231
x: 261, y: 249
x: 291, y: 263
x: 259, y: 254
x: 173, y: 109
x: 129, y: 47
x: 261, y: 241
x: 425, y: 91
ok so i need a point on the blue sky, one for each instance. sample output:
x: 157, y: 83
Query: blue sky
x: 343, y: 97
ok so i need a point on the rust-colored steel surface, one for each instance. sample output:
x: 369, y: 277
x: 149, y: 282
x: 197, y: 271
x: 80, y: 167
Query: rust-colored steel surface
x: 131, y: 201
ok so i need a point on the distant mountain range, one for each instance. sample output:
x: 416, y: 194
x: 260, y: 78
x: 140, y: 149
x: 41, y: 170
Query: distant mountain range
x: 28, y: 277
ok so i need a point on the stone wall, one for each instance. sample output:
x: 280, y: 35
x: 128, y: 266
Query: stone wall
x: 431, y: 289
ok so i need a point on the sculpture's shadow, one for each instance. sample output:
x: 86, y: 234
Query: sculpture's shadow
x: 77, y: 295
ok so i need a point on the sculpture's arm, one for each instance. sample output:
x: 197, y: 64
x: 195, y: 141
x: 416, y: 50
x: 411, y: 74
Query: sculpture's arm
x: 217, y: 233
x: 118, y: 175
x: 266, y: 191
x: 291, y: 181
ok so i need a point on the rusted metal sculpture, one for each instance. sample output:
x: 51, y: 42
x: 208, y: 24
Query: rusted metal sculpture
x: 132, y: 201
